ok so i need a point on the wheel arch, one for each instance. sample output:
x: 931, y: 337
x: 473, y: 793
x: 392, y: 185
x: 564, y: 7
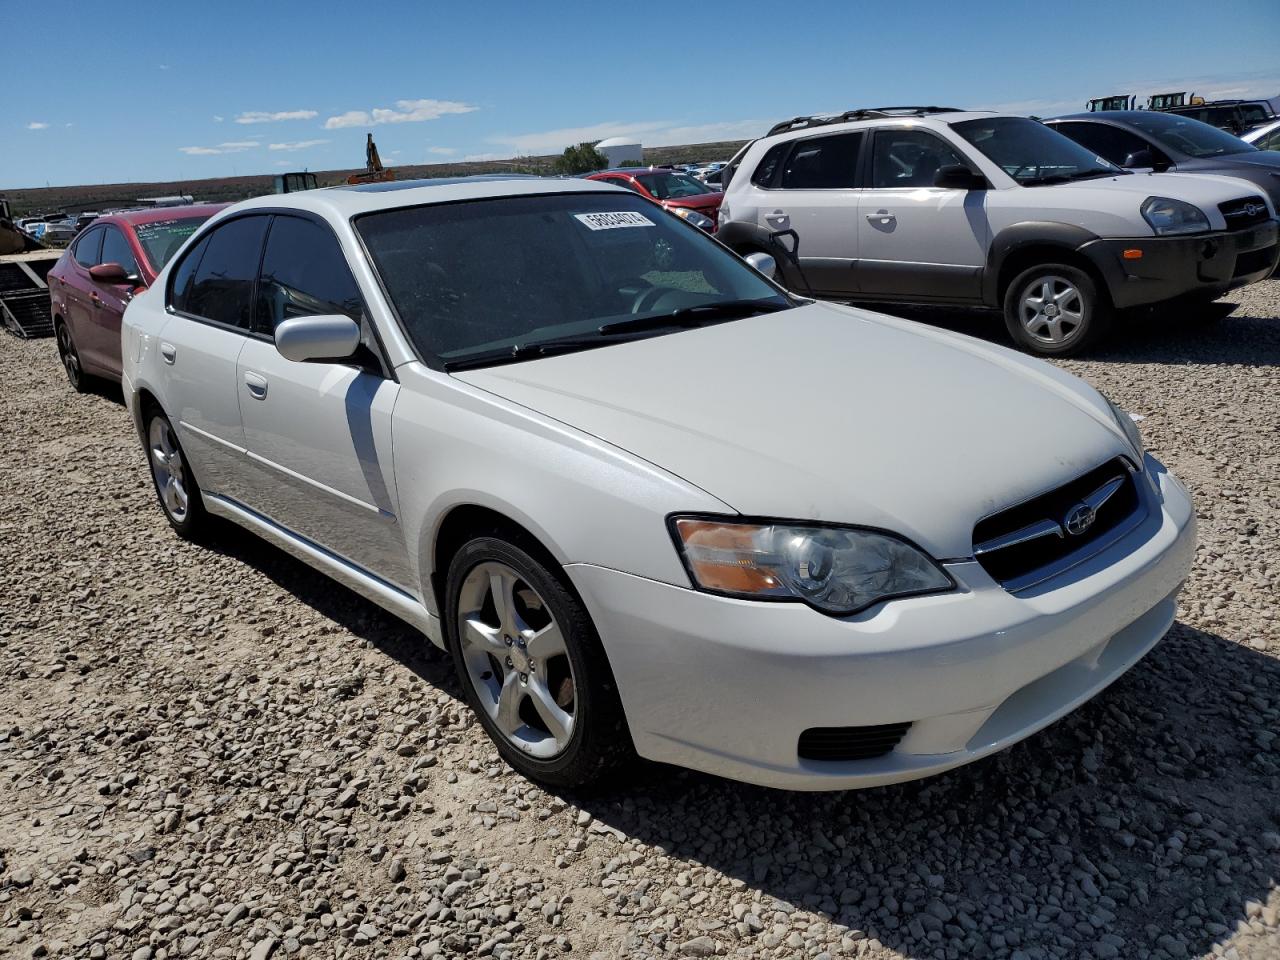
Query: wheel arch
x: 1023, y: 245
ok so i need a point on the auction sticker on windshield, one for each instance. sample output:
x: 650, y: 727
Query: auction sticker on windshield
x: 613, y: 221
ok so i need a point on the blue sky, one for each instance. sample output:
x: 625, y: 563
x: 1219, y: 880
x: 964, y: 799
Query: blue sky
x: 179, y: 90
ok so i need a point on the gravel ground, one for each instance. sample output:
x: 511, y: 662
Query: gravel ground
x: 215, y: 752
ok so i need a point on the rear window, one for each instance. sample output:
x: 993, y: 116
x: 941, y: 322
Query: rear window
x: 221, y: 287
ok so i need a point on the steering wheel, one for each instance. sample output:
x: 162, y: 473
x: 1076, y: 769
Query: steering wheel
x: 642, y: 291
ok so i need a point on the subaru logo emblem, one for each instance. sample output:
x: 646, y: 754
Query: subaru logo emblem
x: 1079, y: 519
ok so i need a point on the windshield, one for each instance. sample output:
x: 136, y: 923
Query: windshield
x: 1188, y: 136
x: 497, y: 278
x: 672, y: 186
x: 161, y: 239
x: 1031, y: 153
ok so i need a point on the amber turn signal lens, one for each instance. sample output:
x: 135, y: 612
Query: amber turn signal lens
x: 722, y: 557
x: 1132, y: 254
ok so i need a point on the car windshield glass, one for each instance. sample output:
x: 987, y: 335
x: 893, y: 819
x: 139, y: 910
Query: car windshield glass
x: 1031, y: 153
x: 671, y: 186
x: 499, y: 277
x: 160, y: 240
x: 1188, y: 136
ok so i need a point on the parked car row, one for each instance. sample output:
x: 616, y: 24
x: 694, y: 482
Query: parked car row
x: 673, y: 190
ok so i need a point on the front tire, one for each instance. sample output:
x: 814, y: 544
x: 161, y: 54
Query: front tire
x: 531, y: 665
x: 1055, y: 310
x: 70, y: 358
x: 176, y: 488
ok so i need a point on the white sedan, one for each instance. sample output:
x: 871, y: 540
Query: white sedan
x: 649, y: 501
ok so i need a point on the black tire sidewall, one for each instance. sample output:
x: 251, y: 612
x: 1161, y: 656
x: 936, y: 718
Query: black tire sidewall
x: 600, y: 740
x: 62, y: 330
x: 1097, y: 311
x: 193, y: 524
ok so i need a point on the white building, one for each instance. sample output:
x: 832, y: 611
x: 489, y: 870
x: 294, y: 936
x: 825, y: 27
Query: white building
x: 620, y: 150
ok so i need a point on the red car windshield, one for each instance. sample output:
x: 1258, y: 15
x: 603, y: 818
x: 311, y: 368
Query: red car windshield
x: 160, y: 240
x: 672, y: 186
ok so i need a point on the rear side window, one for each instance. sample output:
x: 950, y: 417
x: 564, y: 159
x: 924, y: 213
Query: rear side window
x: 823, y: 163
x: 303, y: 274
x: 768, y: 166
x: 1110, y: 143
x: 87, y: 247
x: 116, y: 249
x: 221, y: 288
x: 910, y: 158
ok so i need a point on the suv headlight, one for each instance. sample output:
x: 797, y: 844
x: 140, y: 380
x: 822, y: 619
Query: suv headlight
x: 1170, y: 217
x: 836, y: 570
x: 1130, y: 429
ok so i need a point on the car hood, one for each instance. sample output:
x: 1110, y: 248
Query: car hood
x: 834, y: 414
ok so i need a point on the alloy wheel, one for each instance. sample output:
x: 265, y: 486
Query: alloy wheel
x: 70, y: 360
x: 1051, y: 309
x: 516, y: 660
x: 168, y: 469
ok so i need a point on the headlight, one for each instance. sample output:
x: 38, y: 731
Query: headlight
x: 1171, y: 217
x: 837, y: 570
x: 694, y: 217
x: 1130, y: 429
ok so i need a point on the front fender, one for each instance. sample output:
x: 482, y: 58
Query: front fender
x: 1020, y: 236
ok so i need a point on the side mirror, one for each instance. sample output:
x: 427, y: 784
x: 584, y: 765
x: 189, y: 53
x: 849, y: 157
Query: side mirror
x: 1145, y: 159
x: 110, y: 273
x: 955, y: 176
x: 325, y: 337
x: 763, y: 263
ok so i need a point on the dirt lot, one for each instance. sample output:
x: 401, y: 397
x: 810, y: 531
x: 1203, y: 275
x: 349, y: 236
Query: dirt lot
x: 214, y: 752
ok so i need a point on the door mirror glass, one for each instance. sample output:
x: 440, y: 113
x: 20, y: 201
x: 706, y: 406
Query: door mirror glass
x: 109, y: 273
x: 330, y: 337
x: 955, y: 176
x: 763, y: 263
x: 1139, y: 160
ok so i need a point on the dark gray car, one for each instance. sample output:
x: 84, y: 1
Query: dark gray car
x: 1151, y: 140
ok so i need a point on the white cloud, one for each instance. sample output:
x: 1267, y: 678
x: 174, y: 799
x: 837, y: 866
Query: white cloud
x: 37, y: 125
x: 296, y: 145
x: 263, y: 116
x: 230, y: 146
x: 654, y: 133
x: 407, y: 111
x: 473, y: 157
x: 218, y: 119
x: 442, y: 151
x: 164, y: 66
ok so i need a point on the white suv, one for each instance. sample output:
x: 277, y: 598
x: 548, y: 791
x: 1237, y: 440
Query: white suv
x: 931, y: 204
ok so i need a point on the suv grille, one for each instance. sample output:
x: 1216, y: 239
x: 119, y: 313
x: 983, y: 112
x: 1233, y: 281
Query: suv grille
x: 1029, y: 542
x: 836, y: 744
x: 1244, y: 212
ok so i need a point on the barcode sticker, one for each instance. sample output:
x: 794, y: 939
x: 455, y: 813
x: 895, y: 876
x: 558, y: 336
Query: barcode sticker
x: 613, y: 221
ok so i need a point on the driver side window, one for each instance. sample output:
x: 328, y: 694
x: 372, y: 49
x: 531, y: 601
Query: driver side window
x: 303, y: 274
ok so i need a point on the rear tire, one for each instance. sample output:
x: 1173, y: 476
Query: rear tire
x: 1055, y: 310
x: 531, y: 664
x: 175, y: 486
x: 70, y: 358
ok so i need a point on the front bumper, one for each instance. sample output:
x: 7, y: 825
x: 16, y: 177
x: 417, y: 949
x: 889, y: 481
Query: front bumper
x: 1170, y: 267
x: 727, y: 686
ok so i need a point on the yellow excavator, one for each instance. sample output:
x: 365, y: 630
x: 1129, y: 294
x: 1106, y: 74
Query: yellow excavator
x: 374, y: 171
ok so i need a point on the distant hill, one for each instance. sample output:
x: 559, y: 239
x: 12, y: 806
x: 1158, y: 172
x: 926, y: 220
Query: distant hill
x: 98, y: 196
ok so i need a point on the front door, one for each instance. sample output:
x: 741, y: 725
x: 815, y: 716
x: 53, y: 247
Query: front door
x: 917, y: 241
x: 107, y: 308
x: 319, y: 434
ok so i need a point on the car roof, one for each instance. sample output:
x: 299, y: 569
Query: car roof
x: 135, y: 218
x: 907, y: 120
x: 349, y: 201
x: 635, y: 171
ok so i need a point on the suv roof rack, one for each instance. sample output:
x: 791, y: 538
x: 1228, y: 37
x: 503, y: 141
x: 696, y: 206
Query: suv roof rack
x: 862, y: 113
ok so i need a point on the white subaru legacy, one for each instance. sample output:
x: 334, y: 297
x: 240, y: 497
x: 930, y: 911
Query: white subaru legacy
x: 650, y: 502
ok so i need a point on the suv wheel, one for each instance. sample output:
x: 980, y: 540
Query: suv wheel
x: 176, y: 488
x: 531, y: 665
x: 1055, y: 310
x: 70, y: 359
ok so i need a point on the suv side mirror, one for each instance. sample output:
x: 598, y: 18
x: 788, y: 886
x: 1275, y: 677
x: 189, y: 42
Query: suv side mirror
x: 332, y: 337
x: 763, y: 263
x: 955, y: 176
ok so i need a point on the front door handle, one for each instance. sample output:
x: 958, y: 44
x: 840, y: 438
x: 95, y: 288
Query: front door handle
x: 257, y: 386
x: 881, y: 217
x: 168, y: 353
x: 778, y: 216
x: 97, y: 300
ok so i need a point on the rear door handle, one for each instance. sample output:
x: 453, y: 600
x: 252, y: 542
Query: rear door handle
x: 881, y: 216
x: 168, y: 352
x: 257, y: 385
x: 779, y: 216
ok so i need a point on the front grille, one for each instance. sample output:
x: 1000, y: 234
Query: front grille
x: 1253, y: 261
x: 1244, y: 212
x: 1016, y: 545
x: 837, y: 744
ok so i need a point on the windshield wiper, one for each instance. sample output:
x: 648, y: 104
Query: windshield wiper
x: 526, y: 351
x: 695, y: 316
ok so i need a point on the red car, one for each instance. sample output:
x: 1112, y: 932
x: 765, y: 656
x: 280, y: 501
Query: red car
x: 113, y: 260
x: 678, y: 192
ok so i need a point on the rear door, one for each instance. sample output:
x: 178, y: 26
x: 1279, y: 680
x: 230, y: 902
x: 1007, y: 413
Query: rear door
x: 76, y: 289
x: 917, y: 241
x: 108, y: 300
x: 319, y: 434
x: 811, y: 188
x: 211, y: 302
